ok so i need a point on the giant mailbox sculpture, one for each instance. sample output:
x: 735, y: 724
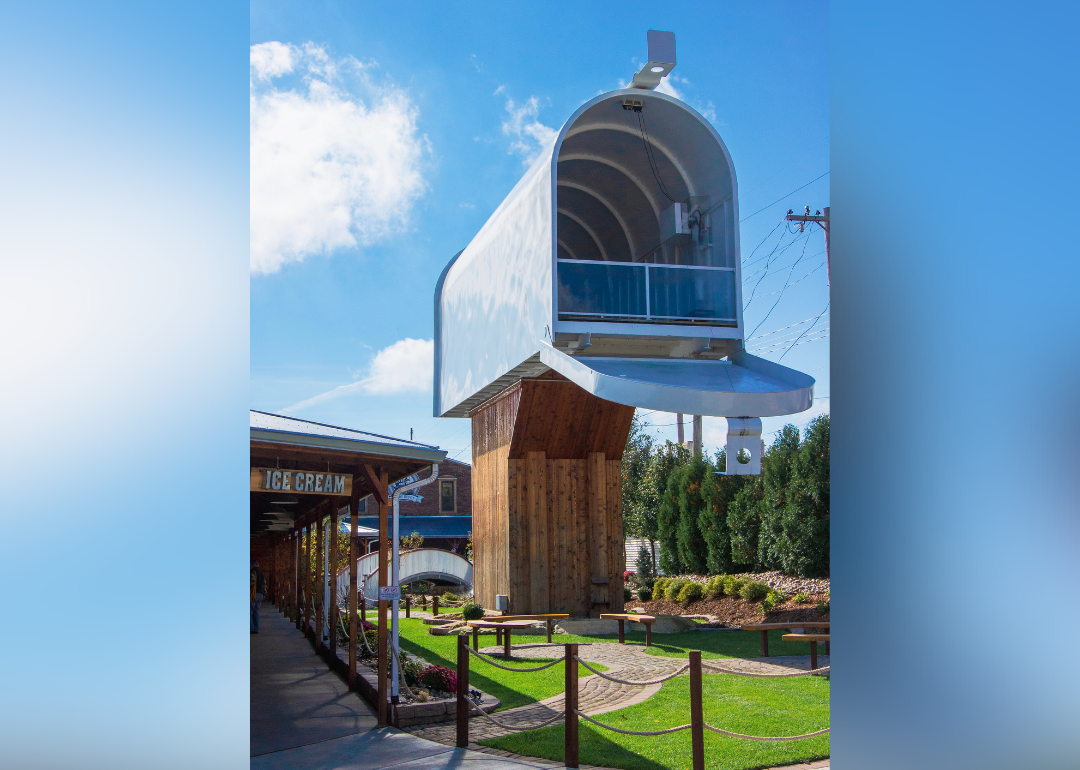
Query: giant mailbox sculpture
x: 608, y: 279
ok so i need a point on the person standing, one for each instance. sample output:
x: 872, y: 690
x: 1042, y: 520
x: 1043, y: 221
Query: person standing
x: 258, y: 588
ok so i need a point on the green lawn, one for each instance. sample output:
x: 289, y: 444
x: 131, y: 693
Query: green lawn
x: 739, y: 704
x: 511, y: 689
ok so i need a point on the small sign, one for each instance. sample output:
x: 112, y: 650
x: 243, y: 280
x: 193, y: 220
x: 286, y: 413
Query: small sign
x: 277, y: 480
x: 389, y: 593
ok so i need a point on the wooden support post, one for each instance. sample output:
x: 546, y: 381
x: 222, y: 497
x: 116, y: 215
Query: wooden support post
x: 354, y: 555
x: 331, y: 577
x: 648, y: 634
x: 382, y: 495
x: 697, y: 717
x: 813, y: 655
x: 297, y: 555
x: 462, y: 691
x: 506, y: 643
x: 549, y: 623
x: 764, y: 644
x: 307, y: 580
x: 363, y: 607
x: 826, y: 648
x: 320, y: 579
x: 476, y: 638
x: 622, y: 631
x: 408, y: 606
x: 570, y: 750
x: 435, y: 606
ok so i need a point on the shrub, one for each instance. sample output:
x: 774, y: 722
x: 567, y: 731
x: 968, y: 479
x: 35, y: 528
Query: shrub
x: 672, y: 589
x: 372, y: 637
x: 438, y: 678
x: 714, y: 589
x: 659, y: 586
x: 822, y: 607
x: 628, y: 575
x: 472, y: 611
x: 627, y: 595
x: 646, y: 570
x: 733, y: 585
x: 411, y: 668
x: 754, y: 591
x: 773, y: 600
x: 802, y: 598
x: 690, y: 592
x: 645, y: 594
x: 450, y: 596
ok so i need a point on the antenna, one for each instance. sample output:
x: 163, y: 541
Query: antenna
x: 661, y: 60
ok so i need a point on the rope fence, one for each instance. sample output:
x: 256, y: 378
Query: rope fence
x: 572, y: 714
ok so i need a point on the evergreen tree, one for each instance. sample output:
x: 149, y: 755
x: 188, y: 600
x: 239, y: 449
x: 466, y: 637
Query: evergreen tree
x: 717, y: 491
x: 690, y: 541
x: 775, y: 477
x: 744, y: 523
x: 662, y: 504
x: 805, y: 519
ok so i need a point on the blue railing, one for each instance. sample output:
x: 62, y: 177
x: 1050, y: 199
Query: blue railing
x: 635, y: 292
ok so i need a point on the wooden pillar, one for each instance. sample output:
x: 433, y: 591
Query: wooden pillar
x: 320, y: 578
x: 296, y: 576
x: 354, y: 555
x: 697, y: 717
x: 332, y: 577
x: 305, y: 570
x: 596, y: 473
x: 382, y: 483
x: 570, y: 704
x: 462, y: 691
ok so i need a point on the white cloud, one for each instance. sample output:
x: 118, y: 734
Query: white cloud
x: 407, y: 366
x: 530, y: 136
x: 335, y: 160
x: 666, y: 87
x: 271, y: 60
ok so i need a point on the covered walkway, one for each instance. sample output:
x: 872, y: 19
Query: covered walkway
x: 303, y: 716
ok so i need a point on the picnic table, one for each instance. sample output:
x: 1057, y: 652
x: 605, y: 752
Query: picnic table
x: 765, y: 628
x: 645, y: 620
x: 500, y: 626
x: 813, y: 639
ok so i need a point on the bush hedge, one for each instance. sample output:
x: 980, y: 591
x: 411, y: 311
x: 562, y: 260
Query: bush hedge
x: 690, y: 592
x: 753, y: 591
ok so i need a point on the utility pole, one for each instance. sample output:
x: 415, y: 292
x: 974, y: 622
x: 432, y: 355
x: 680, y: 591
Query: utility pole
x: 678, y: 421
x: 697, y: 435
x: 823, y: 221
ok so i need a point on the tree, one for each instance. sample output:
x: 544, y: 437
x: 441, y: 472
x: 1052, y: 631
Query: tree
x: 775, y: 477
x: 664, y: 503
x: 718, y: 491
x: 805, y: 518
x: 744, y: 523
x: 639, y: 517
x: 692, y: 548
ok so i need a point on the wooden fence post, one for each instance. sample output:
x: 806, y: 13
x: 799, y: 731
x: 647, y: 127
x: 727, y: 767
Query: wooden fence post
x: 462, y: 691
x: 697, y: 717
x: 435, y: 605
x: 570, y: 752
x: 408, y: 606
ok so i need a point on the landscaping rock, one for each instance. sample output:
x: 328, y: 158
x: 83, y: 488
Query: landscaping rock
x: 673, y: 624
x: 588, y: 627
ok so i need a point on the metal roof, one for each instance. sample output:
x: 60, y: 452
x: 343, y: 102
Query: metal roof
x: 426, y: 526
x: 280, y: 429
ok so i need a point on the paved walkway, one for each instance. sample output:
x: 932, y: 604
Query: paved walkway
x: 303, y: 716
x: 597, y: 695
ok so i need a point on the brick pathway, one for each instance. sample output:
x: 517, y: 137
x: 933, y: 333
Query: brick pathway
x: 597, y: 695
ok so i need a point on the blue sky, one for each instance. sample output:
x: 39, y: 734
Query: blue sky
x: 384, y: 135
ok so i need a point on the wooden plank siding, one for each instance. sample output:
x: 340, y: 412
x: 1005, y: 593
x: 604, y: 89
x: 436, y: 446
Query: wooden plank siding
x: 547, y: 499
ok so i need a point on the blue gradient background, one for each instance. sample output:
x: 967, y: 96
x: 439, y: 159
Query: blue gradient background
x: 124, y: 302
x: 124, y: 298
x: 955, y: 538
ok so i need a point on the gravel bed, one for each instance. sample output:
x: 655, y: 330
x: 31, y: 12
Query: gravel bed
x: 791, y: 585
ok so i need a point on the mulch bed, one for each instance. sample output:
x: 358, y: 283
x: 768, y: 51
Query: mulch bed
x: 734, y: 611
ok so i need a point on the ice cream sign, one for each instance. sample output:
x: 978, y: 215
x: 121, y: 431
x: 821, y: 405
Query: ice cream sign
x: 300, y: 482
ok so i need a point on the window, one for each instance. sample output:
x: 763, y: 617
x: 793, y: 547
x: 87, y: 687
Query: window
x: 448, y: 496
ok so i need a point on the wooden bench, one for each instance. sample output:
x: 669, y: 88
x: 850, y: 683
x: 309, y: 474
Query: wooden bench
x: 765, y: 628
x: 500, y: 626
x: 550, y: 617
x: 645, y: 620
x: 813, y: 639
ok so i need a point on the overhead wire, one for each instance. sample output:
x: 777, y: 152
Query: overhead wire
x: 823, y: 312
x: 785, y: 196
x: 763, y: 320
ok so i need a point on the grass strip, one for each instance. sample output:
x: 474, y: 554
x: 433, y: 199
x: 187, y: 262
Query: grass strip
x: 749, y: 706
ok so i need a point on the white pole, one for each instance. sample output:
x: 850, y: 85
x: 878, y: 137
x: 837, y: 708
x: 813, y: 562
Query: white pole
x: 396, y: 535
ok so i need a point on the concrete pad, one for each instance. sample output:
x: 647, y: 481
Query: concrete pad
x: 381, y: 748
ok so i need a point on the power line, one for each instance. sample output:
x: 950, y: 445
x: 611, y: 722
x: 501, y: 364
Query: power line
x: 786, y: 196
x: 823, y: 312
x: 763, y: 320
